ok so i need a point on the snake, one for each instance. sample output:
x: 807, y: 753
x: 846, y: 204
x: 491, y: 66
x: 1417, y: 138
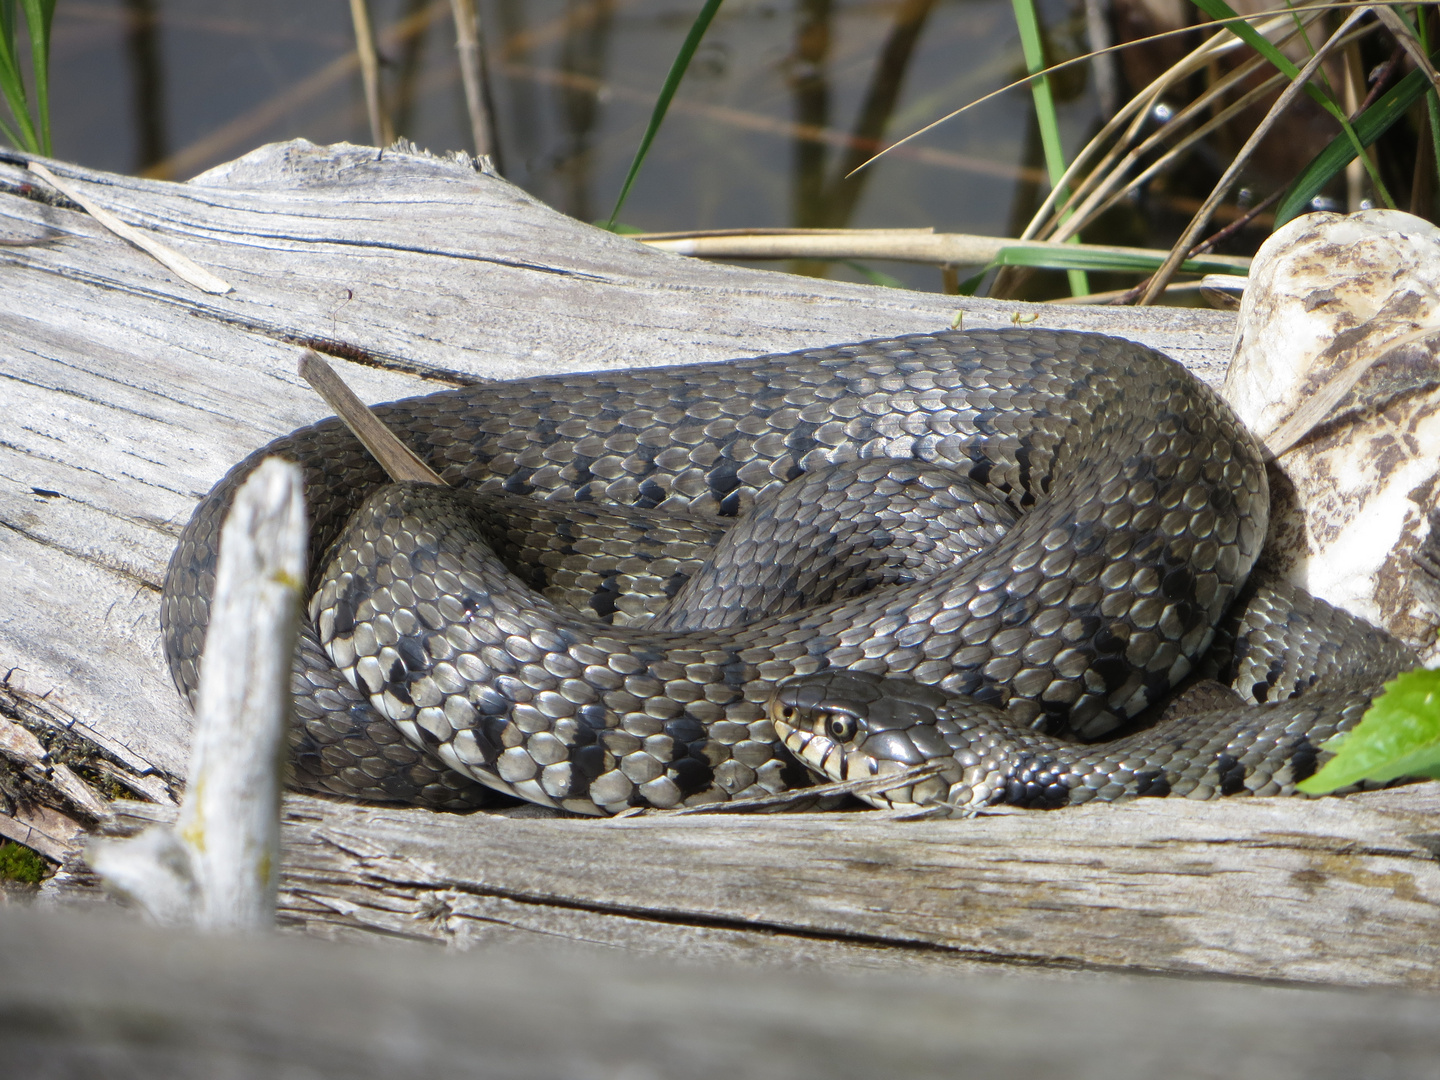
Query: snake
x: 599, y: 611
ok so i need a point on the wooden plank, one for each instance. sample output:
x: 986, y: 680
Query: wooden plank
x: 1337, y: 891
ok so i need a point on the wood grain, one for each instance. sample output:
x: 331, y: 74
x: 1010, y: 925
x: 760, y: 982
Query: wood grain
x: 1333, y: 891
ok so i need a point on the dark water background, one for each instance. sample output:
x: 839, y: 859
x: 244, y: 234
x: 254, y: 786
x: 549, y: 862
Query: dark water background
x: 784, y: 98
x: 761, y: 132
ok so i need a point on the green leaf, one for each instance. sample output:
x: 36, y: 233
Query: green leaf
x: 662, y: 103
x: 1331, y: 161
x: 1399, y: 736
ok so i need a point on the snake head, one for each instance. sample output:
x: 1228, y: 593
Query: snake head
x: 852, y: 725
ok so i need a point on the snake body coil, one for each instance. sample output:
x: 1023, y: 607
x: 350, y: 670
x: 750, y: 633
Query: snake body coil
x: 1143, y: 502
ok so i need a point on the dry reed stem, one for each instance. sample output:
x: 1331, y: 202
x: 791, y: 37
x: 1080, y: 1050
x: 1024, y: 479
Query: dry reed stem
x: 398, y: 460
x: 1046, y: 219
x: 472, y: 75
x: 181, y: 265
x: 245, y: 127
x: 1202, y: 216
x: 900, y: 245
x: 380, y: 130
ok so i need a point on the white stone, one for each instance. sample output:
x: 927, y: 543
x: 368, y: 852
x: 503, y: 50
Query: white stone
x: 1337, y: 371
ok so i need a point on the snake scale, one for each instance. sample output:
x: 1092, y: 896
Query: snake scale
x: 492, y: 636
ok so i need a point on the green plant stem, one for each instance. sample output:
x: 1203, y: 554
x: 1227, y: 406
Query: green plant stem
x: 39, y: 15
x: 1369, y: 126
x: 1432, y: 100
x: 1033, y: 46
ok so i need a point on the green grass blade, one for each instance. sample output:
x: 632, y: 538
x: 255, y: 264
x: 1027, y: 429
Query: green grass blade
x: 1087, y: 259
x: 10, y: 134
x: 667, y: 92
x: 1081, y: 258
x: 970, y: 284
x: 1373, y: 123
x: 39, y: 14
x: 12, y: 82
x: 1432, y: 100
x: 1399, y: 736
x: 1031, y: 42
x: 1223, y: 12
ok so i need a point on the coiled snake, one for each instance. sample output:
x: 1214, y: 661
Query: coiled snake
x: 428, y: 666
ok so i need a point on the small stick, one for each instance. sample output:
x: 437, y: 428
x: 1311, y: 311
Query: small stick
x: 218, y: 866
x: 380, y: 129
x: 397, y: 459
x: 472, y: 75
x: 871, y: 785
x: 181, y: 265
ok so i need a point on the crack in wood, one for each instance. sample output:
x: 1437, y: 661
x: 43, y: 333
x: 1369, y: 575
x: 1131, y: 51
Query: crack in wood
x: 426, y: 891
x: 76, y: 553
x: 164, y: 526
x: 344, y: 350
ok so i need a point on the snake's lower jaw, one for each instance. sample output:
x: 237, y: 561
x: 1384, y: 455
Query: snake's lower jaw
x: 817, y: 752
x: 809, y: 750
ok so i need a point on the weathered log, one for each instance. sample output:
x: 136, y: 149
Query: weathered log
x: 1340, y: 891
x: 128, y: 393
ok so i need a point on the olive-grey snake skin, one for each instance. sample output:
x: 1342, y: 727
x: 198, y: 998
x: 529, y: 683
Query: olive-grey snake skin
x: 429, y: 672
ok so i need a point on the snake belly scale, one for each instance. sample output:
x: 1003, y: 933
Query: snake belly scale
x: 1143, y: 500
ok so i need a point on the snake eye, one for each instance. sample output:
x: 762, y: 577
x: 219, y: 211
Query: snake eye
x: 841, y: 727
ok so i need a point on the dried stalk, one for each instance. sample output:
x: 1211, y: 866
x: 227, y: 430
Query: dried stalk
x: 472, y: 74
x: 181, y: 265
x: 381, y: 133
x: 1202, y: 216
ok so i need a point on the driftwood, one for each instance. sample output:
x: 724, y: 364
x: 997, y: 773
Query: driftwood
x: 127, y: 393
x: 1345, y: 892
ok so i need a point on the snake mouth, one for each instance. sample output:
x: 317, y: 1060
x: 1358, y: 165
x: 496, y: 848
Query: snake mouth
x: 829, y: 741
x: 813, y: 748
